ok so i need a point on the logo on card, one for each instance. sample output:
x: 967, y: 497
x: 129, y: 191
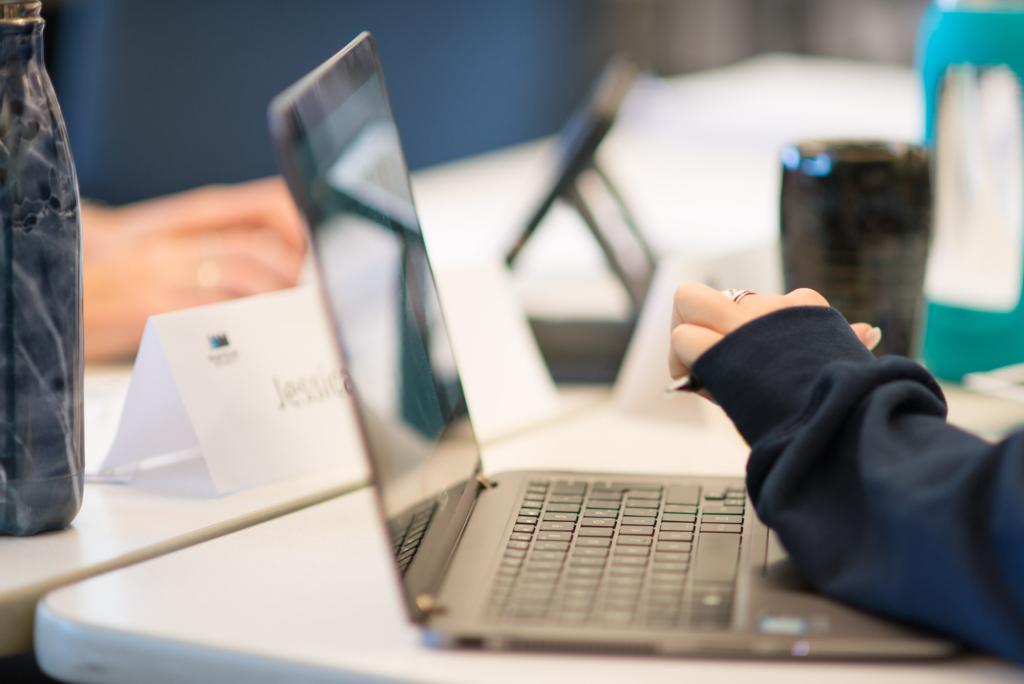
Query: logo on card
x: 221, y: 352
x: 218, y: 341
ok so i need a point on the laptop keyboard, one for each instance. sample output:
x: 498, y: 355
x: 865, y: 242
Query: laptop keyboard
x: 407, y: 533
x: 614, y: 553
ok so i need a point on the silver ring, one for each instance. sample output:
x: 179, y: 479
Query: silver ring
x: 737, y: 295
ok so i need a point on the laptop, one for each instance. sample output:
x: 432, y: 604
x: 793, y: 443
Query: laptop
x: 567, y: 561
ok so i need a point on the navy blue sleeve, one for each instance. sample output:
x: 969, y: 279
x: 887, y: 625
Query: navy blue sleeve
x: 879, y: 501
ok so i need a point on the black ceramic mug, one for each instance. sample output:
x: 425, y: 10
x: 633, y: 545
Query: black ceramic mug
x: 856, y: 225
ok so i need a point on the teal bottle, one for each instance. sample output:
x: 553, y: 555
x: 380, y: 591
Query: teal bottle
x: 971, y: 61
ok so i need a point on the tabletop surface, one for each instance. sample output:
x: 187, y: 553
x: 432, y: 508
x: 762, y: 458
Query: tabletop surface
x: 311, y: 596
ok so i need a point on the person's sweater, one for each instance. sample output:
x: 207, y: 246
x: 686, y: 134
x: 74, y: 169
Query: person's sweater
x: 878, y: 500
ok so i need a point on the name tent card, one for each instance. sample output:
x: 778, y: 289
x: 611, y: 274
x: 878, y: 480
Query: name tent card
x: 253, y: 387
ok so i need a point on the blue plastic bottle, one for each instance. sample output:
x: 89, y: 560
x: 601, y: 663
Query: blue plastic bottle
x: 971, y: 59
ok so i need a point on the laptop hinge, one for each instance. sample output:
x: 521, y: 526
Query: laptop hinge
x: 484, y: 482
x: 427, y: 605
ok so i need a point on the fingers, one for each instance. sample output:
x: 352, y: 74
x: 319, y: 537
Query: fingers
x: 868, y: 335
x: 264, y: 204
x: 689, y: 342
x: 698, y: 304
x: 249, y: 263
x: 805, y: 297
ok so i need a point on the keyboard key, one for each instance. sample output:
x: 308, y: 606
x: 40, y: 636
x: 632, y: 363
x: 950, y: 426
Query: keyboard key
x: 588, y: 561
x: 675, y: 536
x: 529, y: 513
x: 534, y: 496
x: 683, y: 494
x: 626, y: 571
x: 721, y: 528
x: 677, y: 508
x: 636, y: 530
x: 632, y: 550
x: 598, y: 513
x: 668, y: 568
x: 605, y: 495
x: 642, y: 512
x: 595, y: 532
x: 676, y: 527
x: 557, y: 526
x: 625, y: 581
x: 559, y: 517
x: 600, y: 542
x: 671, y: 557
x: 539, y: 483
x: 562, y: 508
x: 629, y: 560
x: 673, y: 546
x: 554, y: 536
x: 565, y: 498
x: 584, y: 571
x: 679, y: 517
x: 633, y: 541
x: 714, y: 494
x: 645, y: 493
x: 518, y: 545
x: 637, y: 520
x: 644, y: 504
x: 532, y: 505
x: 544, y: 566
x: 547, y: 555
x: 515, y: 553
x: 520, y: 536
x: 565, y: 487
x: 551, y: 546
x: 725, y: 509
x: 581, y: 551
x: 597, y: 522
x: 721, y: 518
x: 524, y: 520
x: 602, y: 505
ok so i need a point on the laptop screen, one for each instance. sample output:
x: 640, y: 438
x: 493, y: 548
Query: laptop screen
x: 340, y: 148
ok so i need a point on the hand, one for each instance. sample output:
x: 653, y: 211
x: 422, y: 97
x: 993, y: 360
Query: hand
x: 196, y: 247
x: 701, y: 316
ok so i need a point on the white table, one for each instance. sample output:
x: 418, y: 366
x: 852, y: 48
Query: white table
x: 124, y: 524
x: 311, y: 596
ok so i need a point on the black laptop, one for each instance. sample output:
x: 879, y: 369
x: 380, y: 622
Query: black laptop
x: 519, y: 560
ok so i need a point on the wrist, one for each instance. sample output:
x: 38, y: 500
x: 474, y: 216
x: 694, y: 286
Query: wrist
x: 762, y: 374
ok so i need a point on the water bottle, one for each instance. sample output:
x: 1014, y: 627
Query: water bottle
x: 971, y: 57
x: 40, y: 290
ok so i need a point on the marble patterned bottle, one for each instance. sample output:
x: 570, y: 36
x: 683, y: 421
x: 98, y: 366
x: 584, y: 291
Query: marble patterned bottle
x: 40, y: 290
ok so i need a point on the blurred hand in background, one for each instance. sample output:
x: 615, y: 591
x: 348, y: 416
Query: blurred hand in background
x: 197, y: 247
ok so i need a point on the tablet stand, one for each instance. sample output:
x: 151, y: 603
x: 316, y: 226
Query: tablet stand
x: 589, y: 350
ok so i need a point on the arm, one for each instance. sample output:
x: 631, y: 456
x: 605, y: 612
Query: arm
x: 879, y: 501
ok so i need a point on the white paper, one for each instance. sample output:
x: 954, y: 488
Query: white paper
x: 253, y: 387
x: 643, y: 377
x: 507, y: 384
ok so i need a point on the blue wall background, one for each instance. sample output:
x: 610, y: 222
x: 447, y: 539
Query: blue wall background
x: 160, y: 96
